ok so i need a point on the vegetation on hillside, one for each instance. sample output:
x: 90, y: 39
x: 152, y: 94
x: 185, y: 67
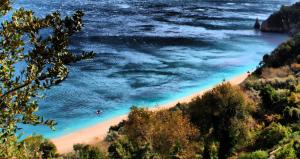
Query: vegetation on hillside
x: 287, y: 20
x: 221, y: 116
x: 162, y: 134
x: 286, y: 54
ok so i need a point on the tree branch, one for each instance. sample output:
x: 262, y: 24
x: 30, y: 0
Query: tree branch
x: 15, y: 89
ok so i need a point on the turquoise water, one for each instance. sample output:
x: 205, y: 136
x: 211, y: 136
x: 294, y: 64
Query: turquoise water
x: 151, y: 52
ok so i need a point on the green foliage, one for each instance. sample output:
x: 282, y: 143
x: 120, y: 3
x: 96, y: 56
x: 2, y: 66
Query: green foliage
x: 285, y: 54
x: 272, y: 100
x: 289, y: 82
x: 124, y: 149
x: 24, y: 73
x: 296, y: 146
x: 39, y: 147
x: 287, y: 152
x: 5, y: 7
x: 254, y: 155
x: 221, y: 115
x: 291, y: 114
x: 283, y: 101
x: 121, y: 149
x: 288, y: 148
x: 87, y: 152
x: 272, y: 135
x: 113, y: 134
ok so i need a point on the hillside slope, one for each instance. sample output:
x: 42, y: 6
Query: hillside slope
x: 286, y: 20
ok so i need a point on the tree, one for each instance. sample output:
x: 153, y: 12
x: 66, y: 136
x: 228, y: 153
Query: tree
x: 162, y: 134
x: 220, y: 115
x: 30, y: 62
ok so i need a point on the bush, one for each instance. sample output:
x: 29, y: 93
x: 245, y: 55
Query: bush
x: 294, y: 99
x: 163, y: 133
x: 121, y: 149
x: 289, y: 82
x: 88, y: 152
x: 296, y: 146
x: 254, y: 155
x: 291, y: 114
x: 286, y: 152
x: 124, y: 149
x: 273, y: 101
x: 285, y: 54
x: 39, y: 147
x: 271, y: 135
x: 49, y: 149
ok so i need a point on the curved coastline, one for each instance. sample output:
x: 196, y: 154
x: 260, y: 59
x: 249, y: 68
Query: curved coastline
x: 97, y: 132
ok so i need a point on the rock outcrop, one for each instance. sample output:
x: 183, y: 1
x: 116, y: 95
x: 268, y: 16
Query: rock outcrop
x: 257, y: 24
x: 286, y: 20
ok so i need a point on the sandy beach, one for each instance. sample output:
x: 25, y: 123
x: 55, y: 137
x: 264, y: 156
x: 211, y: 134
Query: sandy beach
x: 96, y: 133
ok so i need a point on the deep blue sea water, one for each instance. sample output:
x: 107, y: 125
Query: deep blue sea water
x: 151, y: 52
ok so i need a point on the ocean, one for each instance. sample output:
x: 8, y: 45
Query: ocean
x: 150, y: 52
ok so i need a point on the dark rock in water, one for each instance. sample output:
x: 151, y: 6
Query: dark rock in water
x: 257, y: 24
x: 286, y: 20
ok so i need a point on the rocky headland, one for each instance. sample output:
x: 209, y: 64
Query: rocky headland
x: 286, y: 20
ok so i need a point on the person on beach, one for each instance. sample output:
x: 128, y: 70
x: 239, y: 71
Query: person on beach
x: 98, y: 112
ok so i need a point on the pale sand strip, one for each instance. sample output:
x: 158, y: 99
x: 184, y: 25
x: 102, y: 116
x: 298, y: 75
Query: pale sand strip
x: 96, y: 133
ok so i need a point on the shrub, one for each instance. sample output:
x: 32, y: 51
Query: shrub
x: 164, y: 133
x: 286, y: 152
x: 88, y: 152
x: 294, y: 99
x: 254, y: 155
x: 273, y: 101
x: 39, y: 147
x: 291, y: 114
x: 271, y: 135
x: 285, y: 54
x: 121, y: 149
x: 124, y: 149
x: 296, y: 146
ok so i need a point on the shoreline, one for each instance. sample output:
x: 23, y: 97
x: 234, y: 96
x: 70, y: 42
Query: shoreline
x: 97, y: 132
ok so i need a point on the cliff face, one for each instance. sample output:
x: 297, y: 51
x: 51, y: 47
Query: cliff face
x: 286, y: 20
